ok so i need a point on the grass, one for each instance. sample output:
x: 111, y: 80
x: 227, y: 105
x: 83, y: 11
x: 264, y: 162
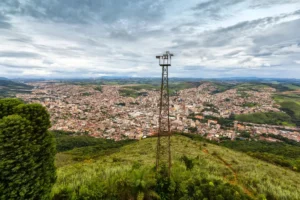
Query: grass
x: 254, y: 177
x: 273, y: 118
x: 293, y: 87
x: 279, y: 98
x: 279, y: 153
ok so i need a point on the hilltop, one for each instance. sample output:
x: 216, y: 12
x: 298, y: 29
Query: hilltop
x: 199, y: 168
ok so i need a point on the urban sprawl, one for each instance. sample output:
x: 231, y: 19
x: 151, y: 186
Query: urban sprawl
x: 107, y: 114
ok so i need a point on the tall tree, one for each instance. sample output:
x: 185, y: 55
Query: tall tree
x: 30, y: 121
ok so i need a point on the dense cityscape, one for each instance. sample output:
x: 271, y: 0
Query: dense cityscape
x: 107, y: 114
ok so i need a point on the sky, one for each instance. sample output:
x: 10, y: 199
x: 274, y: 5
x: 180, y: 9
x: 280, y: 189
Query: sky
x: 94, y: 38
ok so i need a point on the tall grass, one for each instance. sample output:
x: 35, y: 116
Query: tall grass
x: 131, y: 170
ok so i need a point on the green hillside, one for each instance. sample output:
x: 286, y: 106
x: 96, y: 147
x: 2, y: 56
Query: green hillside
x: 200, y: 171
x: 9, y: 88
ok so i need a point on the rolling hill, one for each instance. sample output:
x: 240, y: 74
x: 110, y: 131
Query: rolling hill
x: 9, y: 88
x: 200, y: 170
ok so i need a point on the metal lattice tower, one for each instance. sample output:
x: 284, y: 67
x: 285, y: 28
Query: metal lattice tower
x: 163, y: 153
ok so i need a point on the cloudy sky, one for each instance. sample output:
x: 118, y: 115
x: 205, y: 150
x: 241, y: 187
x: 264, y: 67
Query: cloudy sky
x: 92, y: 38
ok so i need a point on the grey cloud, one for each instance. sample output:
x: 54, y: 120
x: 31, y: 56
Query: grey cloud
x: 269, y: 3
x: 122, y: 34
x: 275, y: 35
x: 78, y: 71
x: 61, y: 51
x: 3, y: 22
x: 79, y: 11
x: 225, y: 36
x: 4, y: 25
x: 218, y: 9
x: 193, y: 68
x: 131, y: 54
x: 233, y: 53
x: 18, y: 54
x: 21, y: 39
x: 92, y: 42
x: 205, y: 69
x: 12, y: 66
x: 213, y: 9
x: 180, y: 44
x: 262, y: 54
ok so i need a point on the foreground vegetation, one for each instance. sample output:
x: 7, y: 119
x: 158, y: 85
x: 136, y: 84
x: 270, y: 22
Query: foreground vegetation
x: 200, y: 171
x: 27, y: 151
x: 73, y: 147
x: 278, y: 153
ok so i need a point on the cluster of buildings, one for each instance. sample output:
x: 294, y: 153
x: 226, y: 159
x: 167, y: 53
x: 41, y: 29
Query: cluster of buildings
x: 107, y: 114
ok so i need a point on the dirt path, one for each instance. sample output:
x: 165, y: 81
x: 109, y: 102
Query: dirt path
x: 228, y: 166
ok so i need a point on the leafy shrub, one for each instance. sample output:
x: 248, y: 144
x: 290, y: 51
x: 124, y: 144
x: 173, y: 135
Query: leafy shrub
x: 188, y: 162
x: 27, y: 151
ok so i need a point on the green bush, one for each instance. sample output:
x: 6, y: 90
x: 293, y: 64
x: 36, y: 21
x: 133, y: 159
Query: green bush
x: 7, y: 106
x: 27, y: 151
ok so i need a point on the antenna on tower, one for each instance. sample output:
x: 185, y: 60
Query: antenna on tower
x: 163, y: 151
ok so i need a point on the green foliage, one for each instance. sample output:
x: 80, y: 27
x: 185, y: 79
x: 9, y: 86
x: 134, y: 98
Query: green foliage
x: 291, y: 97
x: 224, y: 122
x: 143, y: 183
x: 188, y: 162
x: 121, y: 104
x: 98, y: 88
x: 86, y: 94
x: 274, y: 118
x: 128, y: 93
x: 250, y: 87
x: 143, y: 86
x: 17, y: 164
x: 28, y: 146
x: 9, y: 88
x: 133, y: 91
x: 293, y: 110
x: 222, y: 87
x: 77, y: 148
x: 249, y: 104
x: 66, y: 141
x: 282, y: 138
x: 245, y: 134
x: 38, y: 116
x: 192, y: 129
x: 279, y: 87
x: 7, y: 106
x: 217, y: 173
x: 278, y: 153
